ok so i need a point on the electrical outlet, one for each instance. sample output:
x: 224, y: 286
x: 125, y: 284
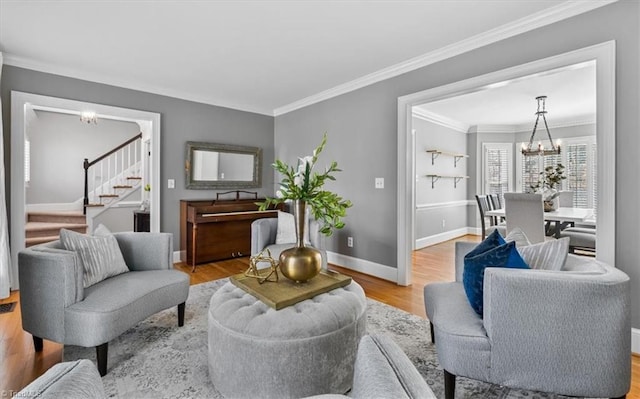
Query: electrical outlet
x: 379, y: 182
x: 350, y: 242
x: 171, y: 183
x: 443, y: 223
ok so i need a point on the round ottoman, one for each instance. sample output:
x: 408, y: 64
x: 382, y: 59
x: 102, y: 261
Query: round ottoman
x: 305, y: 349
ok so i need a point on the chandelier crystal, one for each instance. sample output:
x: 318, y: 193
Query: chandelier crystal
x: 89, y: 117
x: 530, y: 149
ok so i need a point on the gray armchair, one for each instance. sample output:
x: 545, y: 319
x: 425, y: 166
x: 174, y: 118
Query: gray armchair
x: 567, y: 332
x: 263, y: 235
x: 55, y: 305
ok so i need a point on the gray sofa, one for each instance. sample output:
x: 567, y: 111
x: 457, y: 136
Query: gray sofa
x: 566, y: 332
x: 55, y: 305
x: 382, y: 370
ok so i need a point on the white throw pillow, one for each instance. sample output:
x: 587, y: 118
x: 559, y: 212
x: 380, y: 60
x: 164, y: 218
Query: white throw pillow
x: 519, y: 237
x: 100, y: 254
x: 286, y: 233
x: 547, y: 255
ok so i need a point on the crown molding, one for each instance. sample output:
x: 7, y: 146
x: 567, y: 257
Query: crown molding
x: 440, y: 120
x: 542, y: 18
x: 568, y: 122
x: 507, y: 129
x: 27, y: 63
x: 527, y: 127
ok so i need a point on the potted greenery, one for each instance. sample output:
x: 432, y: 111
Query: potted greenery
x: 304, y: 187
x: 550, y: 178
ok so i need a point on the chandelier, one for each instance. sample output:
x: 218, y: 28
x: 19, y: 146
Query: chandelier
x: 530, y: 150
x: 89, y: 117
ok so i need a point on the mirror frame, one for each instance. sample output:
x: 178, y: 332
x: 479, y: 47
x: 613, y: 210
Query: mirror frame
x: 192, y: 146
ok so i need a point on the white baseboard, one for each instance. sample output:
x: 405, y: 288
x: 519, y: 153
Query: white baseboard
x: 476, y: 231
x: 442, y: 237
x: 363, y: 266
x: 635, y: 340
x: 176, y: 257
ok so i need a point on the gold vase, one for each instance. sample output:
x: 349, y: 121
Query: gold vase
x: 300, y: 263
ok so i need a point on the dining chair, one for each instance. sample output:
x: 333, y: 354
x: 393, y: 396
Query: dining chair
x: 525, y: 211
x: 484, y: 205
x: 496, y: 203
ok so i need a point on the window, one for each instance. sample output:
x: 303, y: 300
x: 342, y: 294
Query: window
x: 496, y: 168
x: 579, y: 159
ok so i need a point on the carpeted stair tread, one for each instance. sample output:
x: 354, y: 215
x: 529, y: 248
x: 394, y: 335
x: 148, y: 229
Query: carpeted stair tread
x: 45, y: 229
x: 39, y: 240
x: 57, y: 217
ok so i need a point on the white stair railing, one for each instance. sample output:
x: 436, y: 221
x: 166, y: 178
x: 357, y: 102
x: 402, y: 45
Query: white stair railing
x: 113, y: 173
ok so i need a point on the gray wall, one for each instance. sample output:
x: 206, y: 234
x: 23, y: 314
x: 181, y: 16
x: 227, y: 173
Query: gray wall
x: 362, y: 127
x: 64, y: 141
x: 181, y: 121
x: 429, y: 221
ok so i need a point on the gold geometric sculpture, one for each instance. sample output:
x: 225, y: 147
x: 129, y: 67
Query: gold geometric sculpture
x: 253, y: 271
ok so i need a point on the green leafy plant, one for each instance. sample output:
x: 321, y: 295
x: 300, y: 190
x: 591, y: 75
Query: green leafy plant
x: 302, y: 183
x: 550, y: 177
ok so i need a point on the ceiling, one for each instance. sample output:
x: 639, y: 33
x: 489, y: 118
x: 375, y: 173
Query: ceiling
x: 259, y: 56
x: 511, y: 106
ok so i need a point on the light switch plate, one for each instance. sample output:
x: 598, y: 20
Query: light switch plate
x: 171, y: 183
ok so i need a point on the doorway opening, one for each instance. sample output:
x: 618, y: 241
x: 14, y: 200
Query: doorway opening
x: 603, y: 56
x: 24, y: 106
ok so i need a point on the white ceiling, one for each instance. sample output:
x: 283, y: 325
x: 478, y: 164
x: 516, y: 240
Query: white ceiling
x: 571, y: 99
x: 255, y: 55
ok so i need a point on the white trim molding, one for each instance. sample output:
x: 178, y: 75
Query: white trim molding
x: 363, y: 266
x: 440, y: 120
x: 604, y: 55
x: 542, y: 18
x: 440, y: 205
x: 442, y: 237
x: 635, y: 341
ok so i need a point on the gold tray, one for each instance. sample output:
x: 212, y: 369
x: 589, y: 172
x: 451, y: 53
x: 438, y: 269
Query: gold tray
x: 286, y: 292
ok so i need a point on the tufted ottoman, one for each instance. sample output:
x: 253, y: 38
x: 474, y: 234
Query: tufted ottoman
x: 302, y: 350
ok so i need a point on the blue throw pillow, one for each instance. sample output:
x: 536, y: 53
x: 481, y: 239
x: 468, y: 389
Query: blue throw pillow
x: 505, y: 255
x: 492, y: 241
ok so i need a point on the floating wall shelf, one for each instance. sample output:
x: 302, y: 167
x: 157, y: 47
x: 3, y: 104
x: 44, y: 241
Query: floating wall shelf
x: 456, y: 157
x: 456, y: 179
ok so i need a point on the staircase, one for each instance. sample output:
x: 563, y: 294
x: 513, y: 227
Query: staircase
x: 108, y: 180
x: 113, y: 176
x: 44, y: 227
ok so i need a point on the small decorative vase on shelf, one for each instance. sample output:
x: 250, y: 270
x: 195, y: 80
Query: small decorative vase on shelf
x: 300, y: 263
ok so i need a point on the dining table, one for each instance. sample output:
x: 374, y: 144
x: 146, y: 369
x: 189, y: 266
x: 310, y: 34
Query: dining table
x: 583, y: 216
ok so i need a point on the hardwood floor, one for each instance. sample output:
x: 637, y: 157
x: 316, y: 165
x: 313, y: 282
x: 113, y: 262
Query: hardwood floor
x: 20, y: 364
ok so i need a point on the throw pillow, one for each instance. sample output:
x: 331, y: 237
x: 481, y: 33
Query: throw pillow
x: 100, y: 254
x: 493, y: 240
x: 504, y: 255
x: 517, y: 235
x: 547, y: 255
x: 286, y: 233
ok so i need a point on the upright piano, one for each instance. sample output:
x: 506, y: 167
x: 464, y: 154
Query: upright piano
x: 213, y: 230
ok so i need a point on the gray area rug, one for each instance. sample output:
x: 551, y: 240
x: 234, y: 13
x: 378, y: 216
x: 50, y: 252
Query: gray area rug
x: 157, y: 359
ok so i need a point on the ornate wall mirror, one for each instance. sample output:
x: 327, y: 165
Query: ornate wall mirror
x: 222, y: 166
